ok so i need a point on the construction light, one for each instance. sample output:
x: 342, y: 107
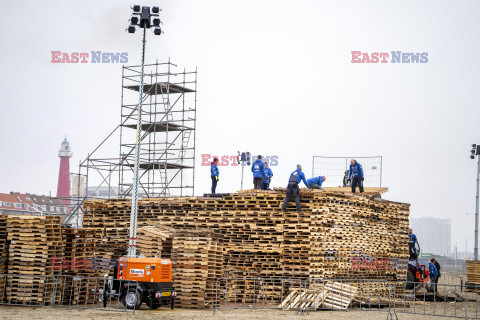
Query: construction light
x: 131, y: 29
x: 472, y: 157
x: 474, y: 146
x: 142, y: 17
x: 145, y: 18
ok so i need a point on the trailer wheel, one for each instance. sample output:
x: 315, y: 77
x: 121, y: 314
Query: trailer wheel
x: 132, y: 299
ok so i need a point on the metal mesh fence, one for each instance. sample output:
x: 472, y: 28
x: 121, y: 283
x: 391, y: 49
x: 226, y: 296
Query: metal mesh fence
x: 392, y: 296
x: 335, y: 169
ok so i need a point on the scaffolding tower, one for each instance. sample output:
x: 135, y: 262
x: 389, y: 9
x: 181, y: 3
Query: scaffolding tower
x: 167, y: 140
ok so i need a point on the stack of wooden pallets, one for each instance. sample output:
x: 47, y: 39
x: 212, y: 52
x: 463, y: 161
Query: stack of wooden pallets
x: 330, y: 295
x: 34, y: 255
x: 338, y: 236
x: 473, y: 275
x: 78, y: 251
x: 197, y: 258
x: 78, y: 275
x: 155, y: 241
x: 3, y: 248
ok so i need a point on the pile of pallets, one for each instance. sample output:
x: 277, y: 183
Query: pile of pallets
x: 3, y: 256
x: 35, y: 255
x: 155, y: 241
x: 3, y: 248
x: 78, y: 273
x: 473, y: 275
x: 197, y: 258
x: 338, y: 236
x: 330, y: 295
x: 78, y: 251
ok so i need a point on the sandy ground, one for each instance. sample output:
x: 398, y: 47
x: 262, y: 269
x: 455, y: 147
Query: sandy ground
x: 31, y: 313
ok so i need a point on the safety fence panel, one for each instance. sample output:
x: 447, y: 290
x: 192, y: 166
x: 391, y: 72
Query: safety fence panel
x: 258, y: 293
x: 68, y: 291
x: 445, y: 300
x: 347, y: 294
x: 336, y: 170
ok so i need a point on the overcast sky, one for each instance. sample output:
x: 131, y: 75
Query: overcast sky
x: 275, y: 77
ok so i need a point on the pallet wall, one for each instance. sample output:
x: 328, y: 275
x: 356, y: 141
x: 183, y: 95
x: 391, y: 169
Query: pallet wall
x: 337, y: 236
x: 34, y: 250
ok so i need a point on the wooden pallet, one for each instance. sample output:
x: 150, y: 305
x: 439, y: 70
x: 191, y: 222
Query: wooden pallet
x: 155, y: 241
x: 331, y: 295
x: 473, y: 272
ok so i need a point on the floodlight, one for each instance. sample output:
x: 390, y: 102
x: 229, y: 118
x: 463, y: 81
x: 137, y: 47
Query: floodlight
x: 131, y: 29
x: 145, y: 18
x: 136, y: 8
x: 155, y: 9
x: 156, y: 22
x: 134, y: 20
x: 157, y: 31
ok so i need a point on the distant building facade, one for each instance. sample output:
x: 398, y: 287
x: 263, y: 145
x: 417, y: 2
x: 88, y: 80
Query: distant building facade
x: 434, y: 235
x: 31, y: 204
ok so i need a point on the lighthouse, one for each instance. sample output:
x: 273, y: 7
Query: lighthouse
x: 63, y: 187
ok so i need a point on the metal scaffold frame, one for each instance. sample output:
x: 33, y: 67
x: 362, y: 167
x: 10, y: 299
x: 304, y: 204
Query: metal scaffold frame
x: 166, y: 143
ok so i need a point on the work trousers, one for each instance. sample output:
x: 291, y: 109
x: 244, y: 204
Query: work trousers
x: 214, y: 184
x: 357, y: 181
x: 257, y: 183
x: 292, y: 189
x: 434, y: 283
x: 265, y: 185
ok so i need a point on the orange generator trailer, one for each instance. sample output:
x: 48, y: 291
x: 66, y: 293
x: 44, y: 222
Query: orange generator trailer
x: 138, y: 280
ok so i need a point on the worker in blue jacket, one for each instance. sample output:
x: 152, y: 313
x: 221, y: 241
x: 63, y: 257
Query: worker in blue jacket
x: 293, y: 188
x: 356, y: 175
x: 316, y: 183
x: 268, y: 177
x: 413, y: 250
x: 437, y: 266
x: 433, y: 274
x: 412, y: 237
x: 214, y: 174
x: 258, y: 169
